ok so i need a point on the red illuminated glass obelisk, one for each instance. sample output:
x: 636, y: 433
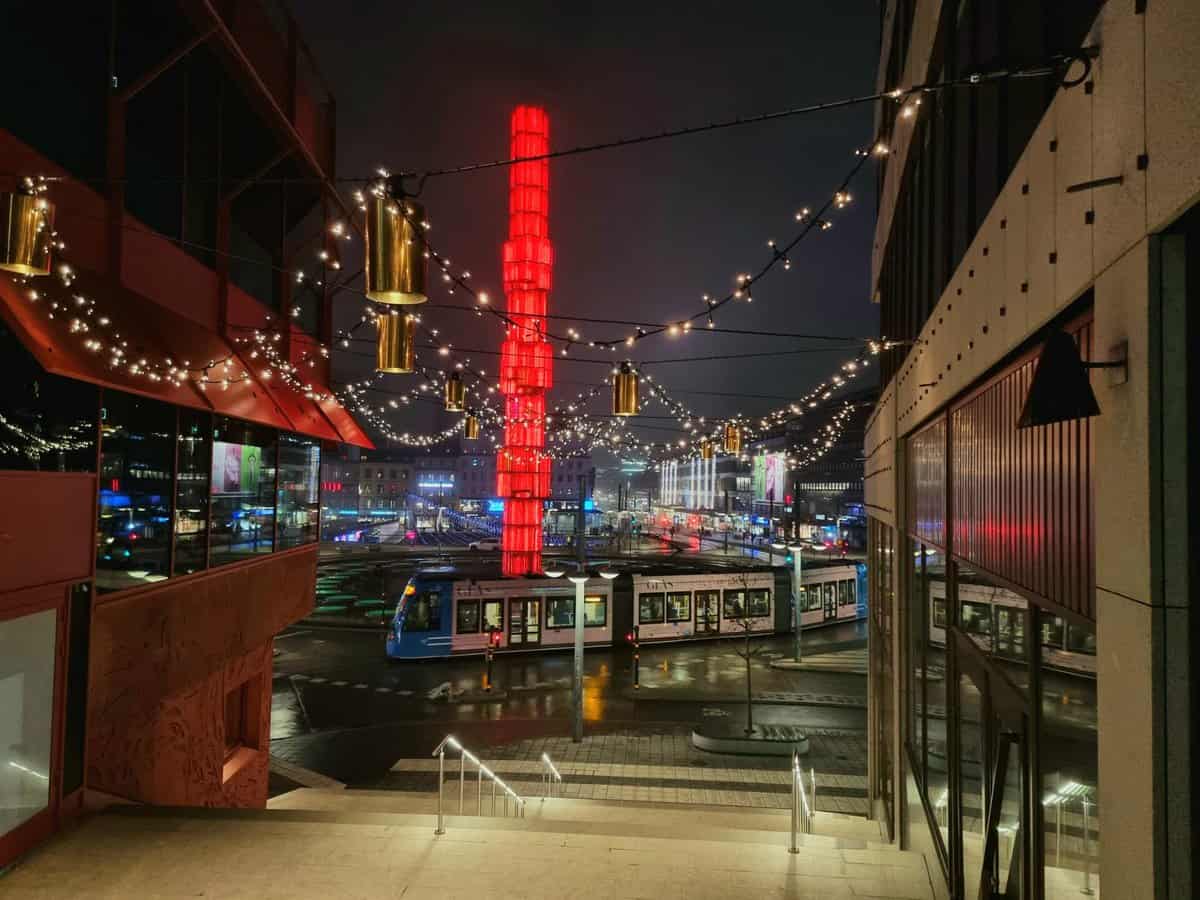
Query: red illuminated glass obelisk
x: 522, y: 465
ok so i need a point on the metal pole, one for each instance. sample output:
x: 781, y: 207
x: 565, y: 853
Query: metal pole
x: 1087, y: 851
x: 636, y: 659
x: 812, y: 807
x: 479, y: 793
x: 441, y: 826
x: 794, y: 847
x: 577, y: 685
x: 493, y: 795
x: 797, y: 592
x: 462, y: 781
x: 1058, y: 833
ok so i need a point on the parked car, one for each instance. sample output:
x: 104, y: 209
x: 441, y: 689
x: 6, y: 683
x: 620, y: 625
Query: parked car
x: 484, y: 544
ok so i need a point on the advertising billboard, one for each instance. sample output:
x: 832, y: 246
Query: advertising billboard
x: 768, y: 476
x: 236, y: 468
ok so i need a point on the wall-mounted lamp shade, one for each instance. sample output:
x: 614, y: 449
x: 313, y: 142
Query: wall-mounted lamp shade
x: 733, y: 438
x: 395, y: 262
x: 625, y: 391
x: 456, y: 393
x: 395, y: 344
x: 1060, y: 390
x: 26, y: 232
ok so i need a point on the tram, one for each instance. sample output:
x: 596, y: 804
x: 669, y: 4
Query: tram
x: 439, y: 614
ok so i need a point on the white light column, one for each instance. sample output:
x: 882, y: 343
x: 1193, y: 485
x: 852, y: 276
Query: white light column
x: 797, y: 587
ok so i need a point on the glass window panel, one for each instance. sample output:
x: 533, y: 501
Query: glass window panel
x: 423, y: 612
x: 560, y: 612
x: 917, y: 635
x: 812, y: 597
x: 299, y: 489
x: 936, y: 700
x: 971, y: 782
x: 1070, y: 768
x: 679, y: 606
x: 193, y: 451
x: 137, y: 461
x: 595, y: 612
x: 846, y: 593
x: 977, y: 621
x: 735, y: 604
x: 760, y: 602
x: 27, y: 662
x: 493, y: 615
x: 995, y: 617
x: 468, y: 616
x: 1081, y: 639
x: 47, y: 423
x: 650, y: 609
x: 243, y: 490
x: 1052, y: 631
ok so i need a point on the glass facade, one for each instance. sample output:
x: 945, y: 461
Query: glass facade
x: 27, y: 669
x: 299, y: 489
x: 880, y: 602
x: 193, y: 449
x: 243, y: 490
x: 137, y: 463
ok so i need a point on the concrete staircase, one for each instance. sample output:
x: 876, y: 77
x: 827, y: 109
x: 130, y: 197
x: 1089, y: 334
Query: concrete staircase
x: 329, y: 844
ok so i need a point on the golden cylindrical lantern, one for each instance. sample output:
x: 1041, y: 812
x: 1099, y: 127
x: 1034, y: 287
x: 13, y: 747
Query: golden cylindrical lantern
x: 471, y: 427
x: 456, y: 393
x: 706, y: 449
x: 26, y: 232
x: 625, y: 391
x: 733, y: 438
x: 396, y: 344
x: 395, y: 262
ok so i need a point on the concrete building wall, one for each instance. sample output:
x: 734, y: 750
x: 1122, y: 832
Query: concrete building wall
x: 1045, y: 242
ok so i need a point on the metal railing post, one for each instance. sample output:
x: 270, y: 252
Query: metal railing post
x: 812, y: 807
x: 479, y: 793
x: 794, y: 847
x: 462, y: 779
x: 1087, y: 851
x: 493, y: 810
x: 1058, y: 833
x: 441, y: 826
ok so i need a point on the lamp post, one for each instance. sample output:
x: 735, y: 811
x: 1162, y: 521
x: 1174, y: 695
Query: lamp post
x: 776, y: 545
x: 797, y: 587
x: 579, y: 579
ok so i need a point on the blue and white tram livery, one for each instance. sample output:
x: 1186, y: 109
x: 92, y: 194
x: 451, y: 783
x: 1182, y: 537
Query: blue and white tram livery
x: 440, y: 616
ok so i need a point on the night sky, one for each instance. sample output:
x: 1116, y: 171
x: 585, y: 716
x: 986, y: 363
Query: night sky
x: 641, y: 232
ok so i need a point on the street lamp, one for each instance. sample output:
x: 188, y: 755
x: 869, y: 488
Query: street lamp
x: 797, y: 587
x: 776, y: 545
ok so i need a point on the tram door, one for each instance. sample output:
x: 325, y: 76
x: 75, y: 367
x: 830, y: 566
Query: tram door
x: 524, y: 622
x: 829, y: 596
x: 708, y: 612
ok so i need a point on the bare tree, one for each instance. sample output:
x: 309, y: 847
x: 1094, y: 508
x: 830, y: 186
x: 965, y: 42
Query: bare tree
x: 744, y: 619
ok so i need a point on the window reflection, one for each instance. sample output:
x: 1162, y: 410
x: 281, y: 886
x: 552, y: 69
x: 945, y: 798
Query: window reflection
x: 26, y: 715
x: 193, y: 457
x: 243, y: 490
x: 299, y: 489
x: 937, y: 765
x: 47, y: 423
x: 137, y: 459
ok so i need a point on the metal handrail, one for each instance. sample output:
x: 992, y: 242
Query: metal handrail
x: 803, y: 809
x: 518, y: 803
x: 549, y: 777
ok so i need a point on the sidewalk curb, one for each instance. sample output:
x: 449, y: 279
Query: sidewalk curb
x: 654, y: 696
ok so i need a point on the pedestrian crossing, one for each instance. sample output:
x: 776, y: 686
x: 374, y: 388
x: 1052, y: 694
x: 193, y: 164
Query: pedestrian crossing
x: 842, y: 661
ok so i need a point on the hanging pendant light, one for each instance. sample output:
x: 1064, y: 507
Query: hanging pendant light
x: 471, y: 427
x: 395, y: 262
x: 26, y: 231
x: 395, y: 347
x: 706, y: 449
x: 456, y: 393
x: 733, y: 438
x: 625, y: 391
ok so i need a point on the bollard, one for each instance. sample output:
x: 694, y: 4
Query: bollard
x: 441, y: 826
x: 794, y: 847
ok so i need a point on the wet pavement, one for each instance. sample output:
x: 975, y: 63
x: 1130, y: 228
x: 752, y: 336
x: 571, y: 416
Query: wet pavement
x: 341, y: 708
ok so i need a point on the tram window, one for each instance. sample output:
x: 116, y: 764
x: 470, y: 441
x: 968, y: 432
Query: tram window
x: 595, y: 612
x: 468, y: 616
x: 846, y: 593
x: 1081, y: 639
x: 735, y: 604
x: 650, y: 608
x: 560, y: 612
x: 1052, y: 632
x: 939, y: 612
x: 424, y: 613
x: 760, y: 602
x: 812, y: 598
x: 493, y: 615
x: 679, y: 606
x: 829, y: 592
x: 976, y: 618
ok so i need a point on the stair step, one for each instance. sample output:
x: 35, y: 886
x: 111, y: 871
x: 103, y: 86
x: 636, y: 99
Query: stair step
x: 298, y: 853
